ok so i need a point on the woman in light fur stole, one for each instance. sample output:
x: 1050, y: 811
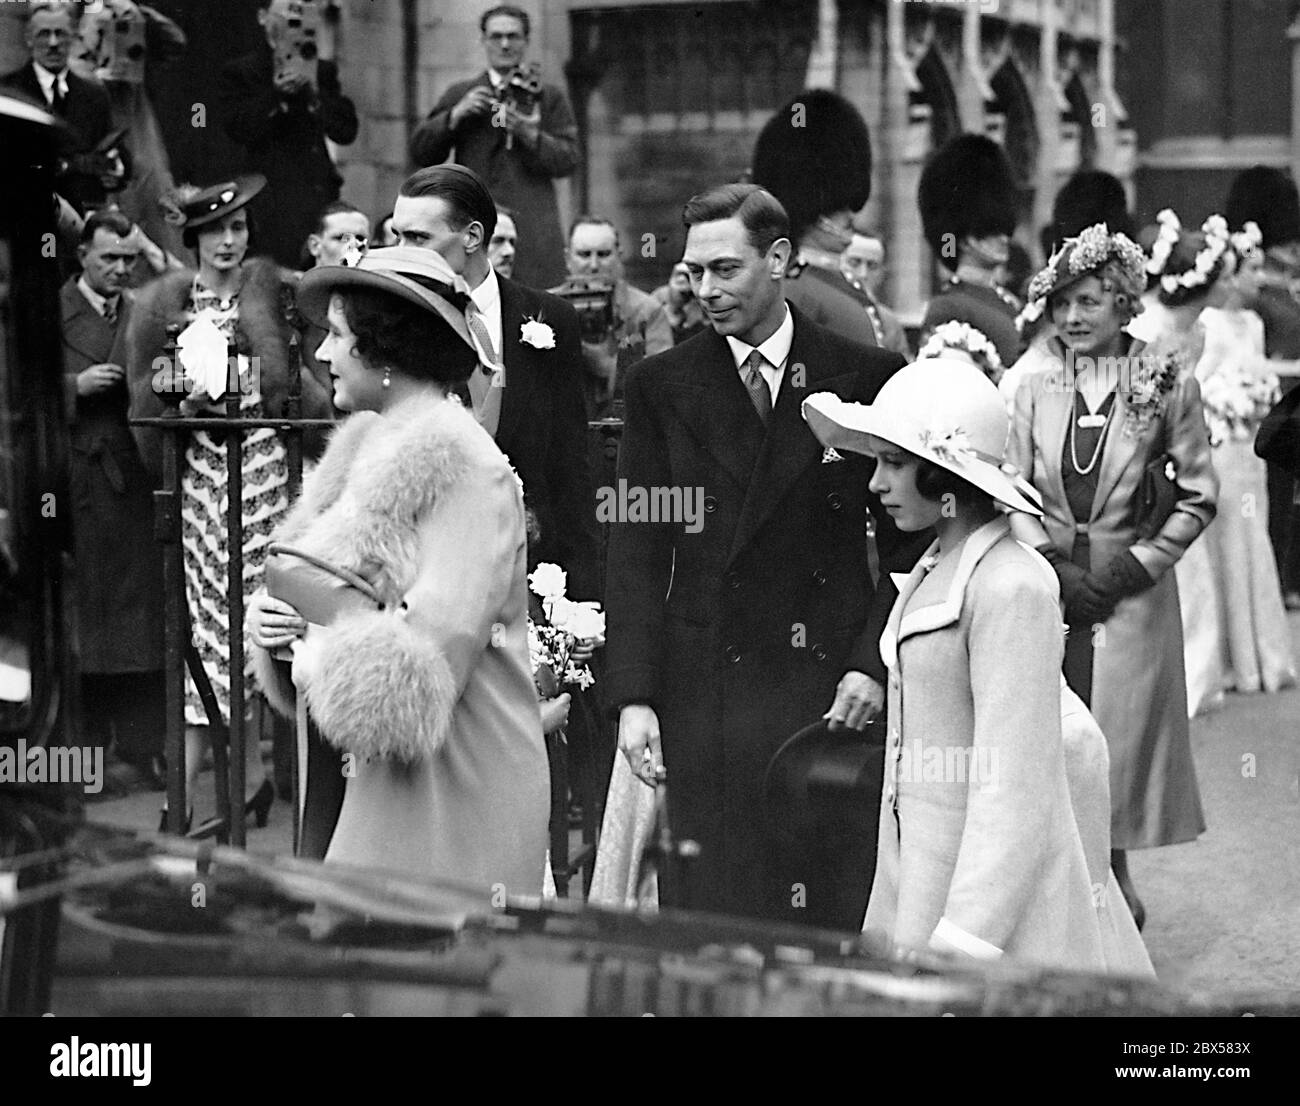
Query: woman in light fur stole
x: 232, y: 298
x: 425, y: 753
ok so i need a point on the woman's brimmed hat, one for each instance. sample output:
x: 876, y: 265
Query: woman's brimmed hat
x: 942, y: 409
x: 1094, y: 252
x: 207, y: 205
x: 419, y: 276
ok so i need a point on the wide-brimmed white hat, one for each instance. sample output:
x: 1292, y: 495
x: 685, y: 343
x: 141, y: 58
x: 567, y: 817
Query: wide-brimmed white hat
x: 944, y: 410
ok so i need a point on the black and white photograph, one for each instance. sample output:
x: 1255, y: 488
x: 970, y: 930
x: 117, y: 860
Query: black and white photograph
x: 690, y: 508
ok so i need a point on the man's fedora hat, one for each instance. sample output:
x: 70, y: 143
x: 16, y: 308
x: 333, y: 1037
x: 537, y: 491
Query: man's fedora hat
x: 418, y: 276
x: 210, y: 204
x: 945, y: 410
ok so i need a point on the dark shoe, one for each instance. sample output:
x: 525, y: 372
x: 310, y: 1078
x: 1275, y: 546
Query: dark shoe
x: 260, y: 804
x: 162, y: 822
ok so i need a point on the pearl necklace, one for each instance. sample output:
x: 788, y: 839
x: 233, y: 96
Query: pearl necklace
x: 1101, y: 441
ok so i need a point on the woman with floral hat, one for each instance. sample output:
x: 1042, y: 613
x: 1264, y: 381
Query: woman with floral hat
x: 1112, y: 437
x: 1236, y: 636
x: 980, y: 850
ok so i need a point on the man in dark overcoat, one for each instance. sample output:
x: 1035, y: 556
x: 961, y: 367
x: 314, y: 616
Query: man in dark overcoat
x: 81, y: 102
x: 518, y: 153
x: 733, y: 627
x: 118, y: 562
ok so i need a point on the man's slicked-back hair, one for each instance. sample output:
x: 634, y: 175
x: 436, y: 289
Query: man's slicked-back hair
x: 466, y: 196
x: 108, y: 218
x: 336, y: 207
x: 758, y: 210
x: 505, y: 9
x: 587, y: 220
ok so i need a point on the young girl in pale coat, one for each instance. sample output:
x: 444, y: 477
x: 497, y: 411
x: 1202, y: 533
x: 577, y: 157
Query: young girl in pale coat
x: 980, y: 852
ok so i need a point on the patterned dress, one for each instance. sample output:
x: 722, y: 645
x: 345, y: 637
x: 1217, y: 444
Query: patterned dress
x: 204, y: 503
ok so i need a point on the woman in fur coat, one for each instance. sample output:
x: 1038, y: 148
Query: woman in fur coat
x: 230, y: 297
x: 429, y: 757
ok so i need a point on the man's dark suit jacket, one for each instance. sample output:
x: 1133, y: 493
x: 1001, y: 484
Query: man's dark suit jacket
x: 285, y: 141
x: 737, y: 635
x: 119, y: 564
x: 88, y: 118
x: 517, y: 177
x: 543, y: 431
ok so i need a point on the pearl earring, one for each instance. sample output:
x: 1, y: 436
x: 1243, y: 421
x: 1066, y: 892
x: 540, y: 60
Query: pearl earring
x: 387, y: 381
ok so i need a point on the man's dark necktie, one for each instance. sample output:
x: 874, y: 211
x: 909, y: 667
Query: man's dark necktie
x: 110, y: 312
x: 58, y: 100
x: 759, y: 394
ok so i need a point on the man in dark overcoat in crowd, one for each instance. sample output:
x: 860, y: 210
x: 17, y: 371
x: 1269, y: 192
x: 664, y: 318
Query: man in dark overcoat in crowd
x: 81, y: 102
x: 732, y: 627
x: 517, y: 150
x: 118, y: 562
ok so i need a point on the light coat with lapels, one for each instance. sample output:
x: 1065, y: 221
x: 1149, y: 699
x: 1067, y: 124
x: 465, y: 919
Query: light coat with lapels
x: 984, y: 860
x: 1138, y: 693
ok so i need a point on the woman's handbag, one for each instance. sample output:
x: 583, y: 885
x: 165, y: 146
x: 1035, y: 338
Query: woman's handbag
x: 315, y: 588
x: 1157, y: 496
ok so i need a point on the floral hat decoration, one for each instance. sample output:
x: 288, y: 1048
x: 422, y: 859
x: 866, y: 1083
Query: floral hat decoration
x: 944, y: 410
x: 1094, y: 252
x: 1217, y: 241
x: 962, y: 338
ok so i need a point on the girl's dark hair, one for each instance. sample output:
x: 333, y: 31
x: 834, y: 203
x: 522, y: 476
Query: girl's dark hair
x: 190, y: 235
x: 1182, y: 258
x: 392, y: 333
x: 934, y: 482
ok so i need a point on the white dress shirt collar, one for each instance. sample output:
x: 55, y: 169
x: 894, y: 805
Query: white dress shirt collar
x: 98, y: 302
x: 775, y: 349
x: 47, y: 79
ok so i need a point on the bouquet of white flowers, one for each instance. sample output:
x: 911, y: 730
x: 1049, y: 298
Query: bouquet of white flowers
x: 551, y: 642
x: 1236, y: 400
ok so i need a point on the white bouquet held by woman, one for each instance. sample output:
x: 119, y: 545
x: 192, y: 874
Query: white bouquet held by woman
x: 551, y: 643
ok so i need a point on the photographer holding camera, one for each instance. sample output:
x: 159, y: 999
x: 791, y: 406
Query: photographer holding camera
x: 281, y: 103
x: 516, y: 133
x: 621, y: 325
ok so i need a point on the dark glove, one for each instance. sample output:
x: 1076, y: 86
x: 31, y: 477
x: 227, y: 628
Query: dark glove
x: 1085, y: 603
x: 1122, y: 576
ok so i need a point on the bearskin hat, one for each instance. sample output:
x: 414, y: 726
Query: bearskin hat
x: 967, y: 190
x: 1089, y: 197
x: 1266, y: 196
x: 814, y: 155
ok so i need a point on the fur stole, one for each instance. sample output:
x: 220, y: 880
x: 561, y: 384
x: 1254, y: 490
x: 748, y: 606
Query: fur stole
x: 381, y: 685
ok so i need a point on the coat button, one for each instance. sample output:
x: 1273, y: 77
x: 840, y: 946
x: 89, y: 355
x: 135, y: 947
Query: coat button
x: 731, y: 653
x: 710, y: 504
x: 732, y: 579
x: 889, y: 794
x: 819, y: 577
x: 833, y: 501
x: 819, y: 652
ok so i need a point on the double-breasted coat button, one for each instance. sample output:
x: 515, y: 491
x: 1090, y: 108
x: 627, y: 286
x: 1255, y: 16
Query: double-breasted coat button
x: 819, y: 652
x: 889, y: 794
x: 833, y: 501
x: 731, y: 653
x: 710, y: 504
x: 818, y: 577
x: 733, y: 579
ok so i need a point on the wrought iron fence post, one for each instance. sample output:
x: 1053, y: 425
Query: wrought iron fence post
x: 235, y: 592
x: 167, y: 531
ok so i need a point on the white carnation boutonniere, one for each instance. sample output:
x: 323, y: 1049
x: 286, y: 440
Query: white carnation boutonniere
x: 537, y: 334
